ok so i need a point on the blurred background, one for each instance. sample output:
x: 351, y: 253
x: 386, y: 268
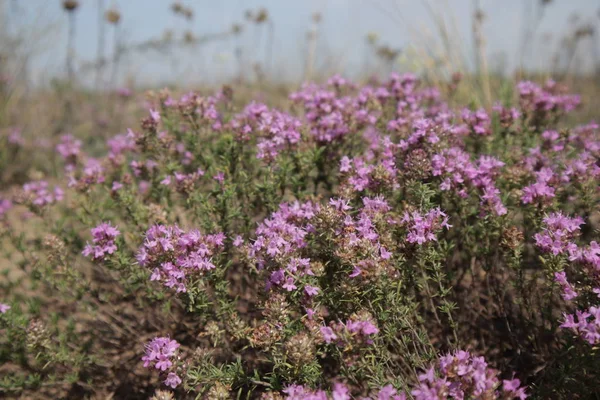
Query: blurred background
x: 107, y: 44
x: 92, y: 68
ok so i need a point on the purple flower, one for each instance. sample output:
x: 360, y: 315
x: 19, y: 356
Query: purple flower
x: 173, y: 254
x: 569, y: 292
x: 422, y: 228
x: 462, y: 375
x: 160, y: 353
x: 220, y: 177
x: 4, y: 308
x: 328, y: 334
x: 238, y: 241
x: 155, y: 115
x: 41, y: 193
x: 340, y: 392
x: 558, y: 233
x: 5, y: 205
x: 311, y: 290
x: 103, y: 242
x: 69, y: 149
x: 173, y: 380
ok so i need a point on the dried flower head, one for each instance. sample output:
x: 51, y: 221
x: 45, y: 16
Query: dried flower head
x: 219, y: 391
x: 162, y: 395
x: 38, y: 336
x: 300, y: 349
x: 113, y: 16
x: 70, y: 5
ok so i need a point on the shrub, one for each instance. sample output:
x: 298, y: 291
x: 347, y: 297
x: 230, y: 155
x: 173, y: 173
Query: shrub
x: 369, y: 241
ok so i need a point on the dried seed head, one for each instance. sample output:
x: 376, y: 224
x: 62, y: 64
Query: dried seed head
x: 512, y: 238
x: 417, y: 165
x: 219, y: 391
x: 276, y: 309
x: 262, y: 16
x: 177, y: 7
x: 200, y: 355
x: 70, y: 5
x: 265, y: 335
x: 188, y: 13
x: 188, y: 37
x: 213, y: 331
x: 300, y: 349
x: 318, y: 268
x: 37, y: 335
x: 162, y: 395
x: 382, y: 177
x: 236, y: 29
x: 372, y: 37
x: 227, y: 92
x: 157, y: 214
x: 236, y: 326
x: 113, y: 16
x: 55, y: 246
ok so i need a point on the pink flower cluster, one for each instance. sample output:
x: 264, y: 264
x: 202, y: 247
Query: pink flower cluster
x: 354, y: 331
x: 558, y: 233
x: 172, y: 254
x: 360, y: 234
x: 361, y: 173
x: 568, y: 291
x: 339, y: 392
x: 118, y: 147
x: 103, y: 242
x: 541, y: 189
x: 459, y: 173
x: 276, y: 131
x: 585, y: 323
x: 161, y: 353
x: 204, y: 109
x: 542, y: 101
x: 91, y: 174
x: 327, y: 115
x: 183, y: 183
x: 463, y: 376
x: 41, y: 193
x: 69, y: 149
x: 5, y: 205
x: 422, y: 228
x: 478, y: 121
x: 278, y: 244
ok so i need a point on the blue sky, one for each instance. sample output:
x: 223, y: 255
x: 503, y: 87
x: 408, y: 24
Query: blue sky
x: 341, y: 44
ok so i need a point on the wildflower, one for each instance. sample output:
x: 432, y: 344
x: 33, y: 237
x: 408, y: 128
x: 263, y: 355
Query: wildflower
x: 173, y: 380
x: 220, y: 177
x: 462, y: 375
x: 311, y: 290
x: 569, y: 292
x: 238, y: 241
x: 558, y: 233
x: 160, y: 353
x: 41, y: 194
x: 585, y: 324
x: 421, y: 228
x: 4, y: 308
x: 103, y: 242
x: 340, y: 392
x: 172, y: 254
x: 328, y: 334
x: 69, y: 149
x: 5, y: 206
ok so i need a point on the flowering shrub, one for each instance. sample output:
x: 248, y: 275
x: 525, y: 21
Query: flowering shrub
x: 373, y: 242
